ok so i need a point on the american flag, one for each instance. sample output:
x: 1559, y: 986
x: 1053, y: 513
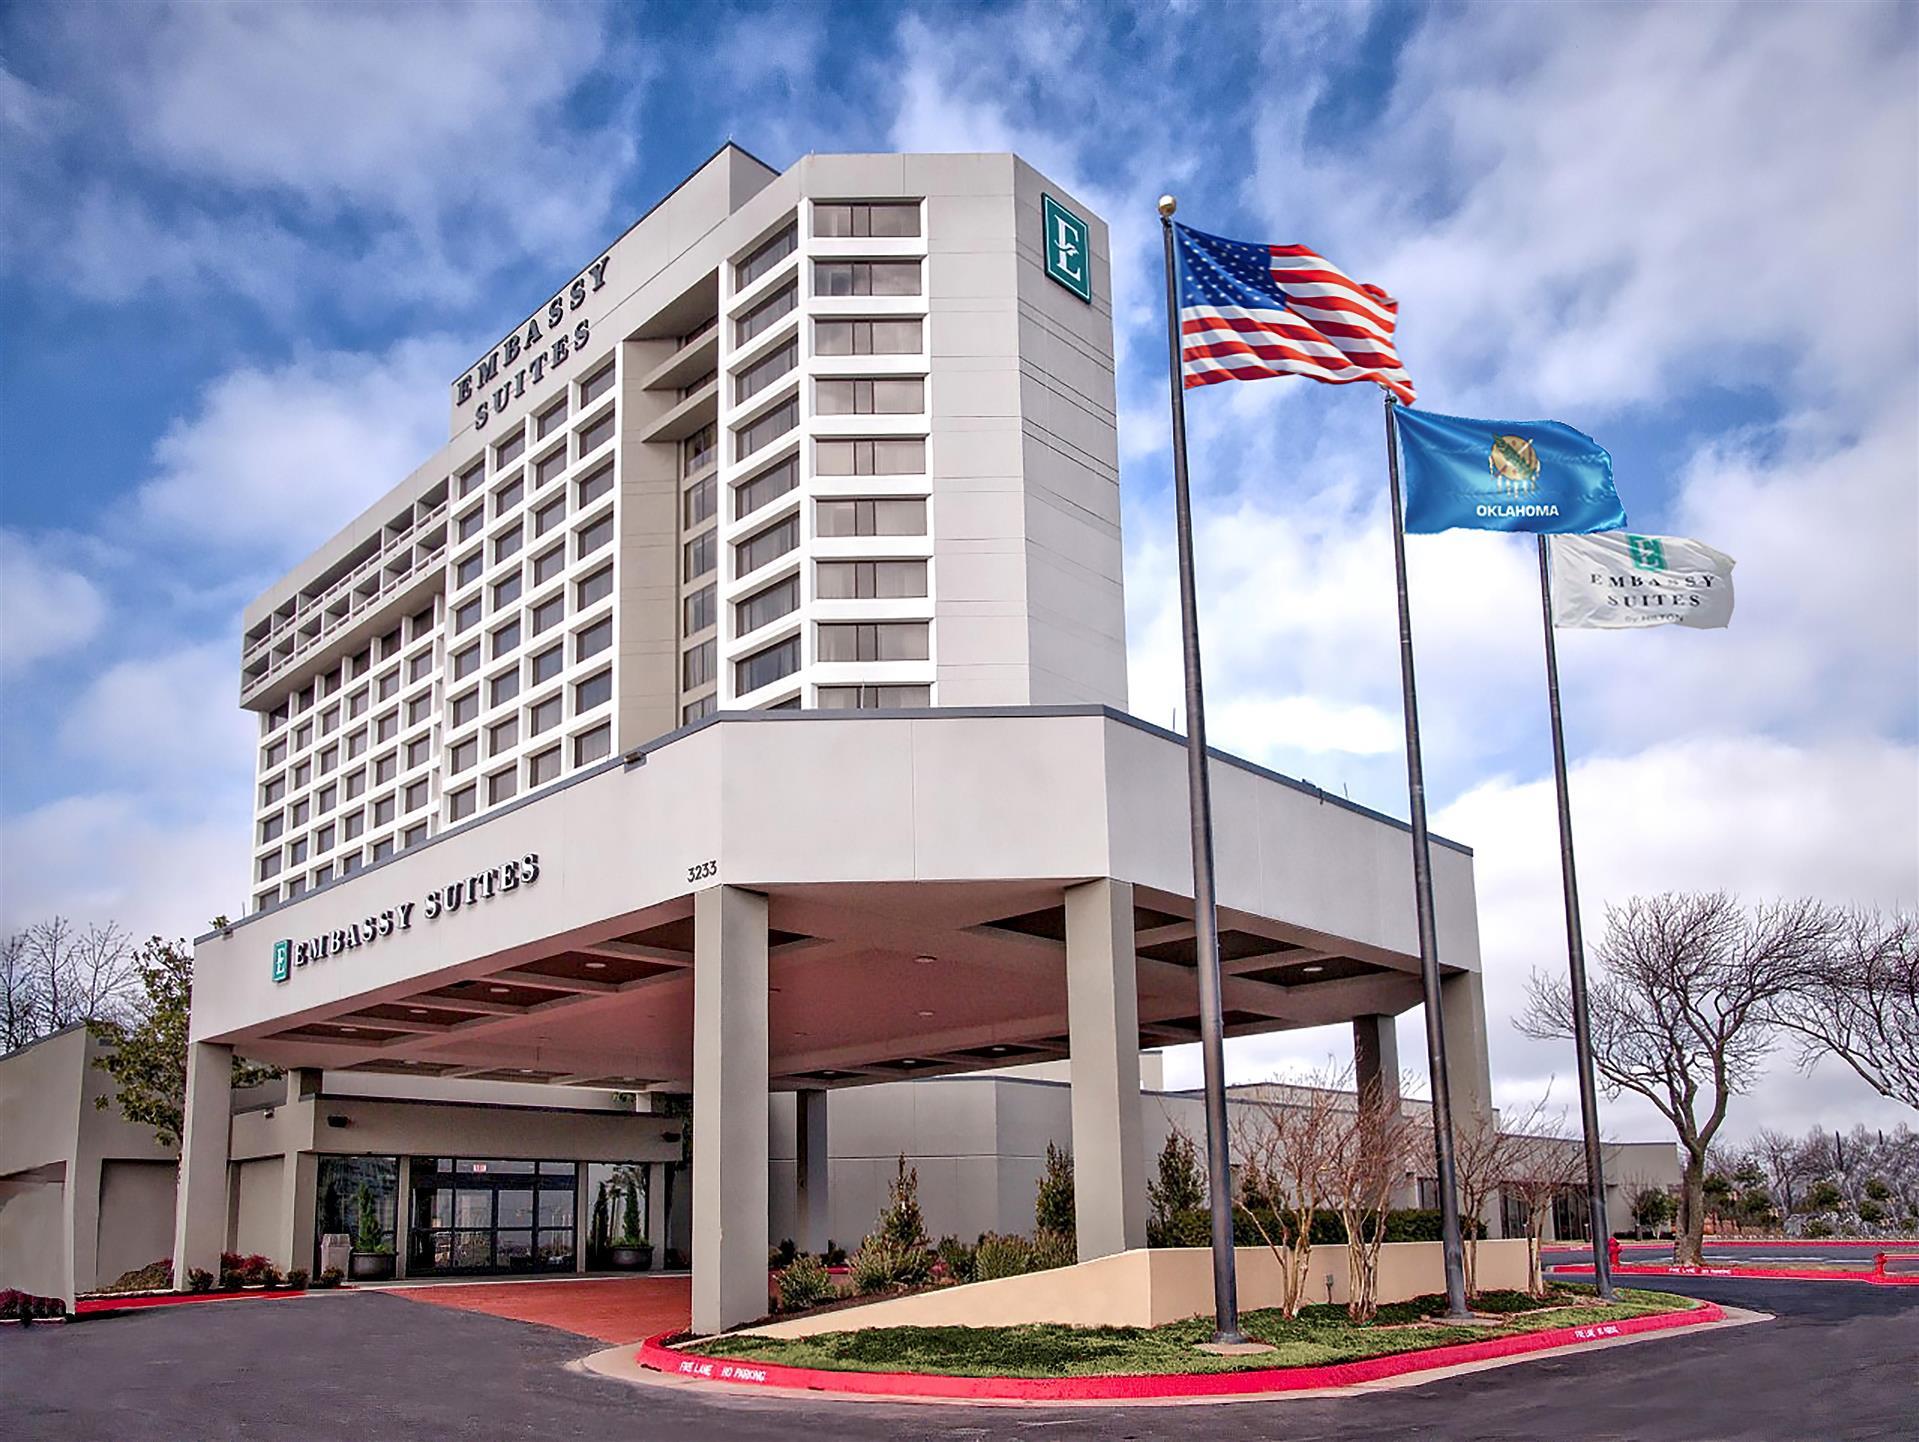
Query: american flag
x: 1248, y: 311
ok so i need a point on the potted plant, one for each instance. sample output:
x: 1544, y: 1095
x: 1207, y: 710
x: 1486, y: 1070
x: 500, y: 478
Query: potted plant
x: 631, y: 1251
x: 372, y: 1257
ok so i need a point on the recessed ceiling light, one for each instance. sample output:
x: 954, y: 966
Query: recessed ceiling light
x: 996, y: 1048
x: 417, y: 1010
x: 526, y: 1071
x: 596, y: 966
x: 926, y: 1013
x: 1312, y: 970
x: 349, y: 1028
x: 925, y: 960
x: 497, y: 990
x: 909, y: 1062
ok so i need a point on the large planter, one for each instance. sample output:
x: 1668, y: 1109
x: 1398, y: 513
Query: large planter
x: 630, y: 1259
x: 370, y: 1267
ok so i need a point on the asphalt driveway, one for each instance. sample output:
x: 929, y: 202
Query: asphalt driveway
x: 1838, y: 1363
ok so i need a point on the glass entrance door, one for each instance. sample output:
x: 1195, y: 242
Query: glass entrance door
x: 474, y: 1216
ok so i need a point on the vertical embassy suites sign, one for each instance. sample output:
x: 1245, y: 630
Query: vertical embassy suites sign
x: 1069, y: 250
x: 532, y: 353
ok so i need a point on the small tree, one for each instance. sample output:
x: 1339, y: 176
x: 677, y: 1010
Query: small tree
x: 1652, y: 1207
x: 371, y: 1236
x: 901, y: 1225
x: 1178, y: 1190
x: 631, y: 1233
x: 597, y: 1234
x: 1482, y: 1153
x: 1053, y: 1210
x: 1681, y: 1010
x: 1372, y: 1149
x: 1284, y: 1140
x: 1543, y: 1168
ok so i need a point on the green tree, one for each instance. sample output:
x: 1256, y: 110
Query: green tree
x: 1177, y: 1190
x: 1652, y: 1208
x: 1053, y: 1203
x: 901, y: 1224
x: 148, y: 1059
x: 630, y: 1231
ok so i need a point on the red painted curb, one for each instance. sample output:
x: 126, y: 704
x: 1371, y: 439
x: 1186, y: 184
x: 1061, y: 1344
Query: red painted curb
x: 95, y: 1306
x: 1882, y: 1243
x: 656, y: 1355
x: 1787, y: 1274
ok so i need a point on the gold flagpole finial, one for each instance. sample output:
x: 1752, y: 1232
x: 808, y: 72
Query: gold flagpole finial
x: 1168, y: 204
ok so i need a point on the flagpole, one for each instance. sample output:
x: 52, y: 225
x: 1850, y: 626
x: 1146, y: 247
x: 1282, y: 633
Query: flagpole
x: 1576, y: 952
x: 1200, y: 805
x: 1451, y: 1245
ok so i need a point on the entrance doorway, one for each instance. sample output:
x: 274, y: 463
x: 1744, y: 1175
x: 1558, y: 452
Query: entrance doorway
x: 475, y: 1216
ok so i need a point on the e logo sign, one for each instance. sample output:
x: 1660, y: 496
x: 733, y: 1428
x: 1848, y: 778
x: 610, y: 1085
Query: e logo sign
x: 282, y: 960
x: 1069, y: 251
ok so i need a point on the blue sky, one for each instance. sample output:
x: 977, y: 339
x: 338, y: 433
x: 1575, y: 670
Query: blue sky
x: 248, y: 245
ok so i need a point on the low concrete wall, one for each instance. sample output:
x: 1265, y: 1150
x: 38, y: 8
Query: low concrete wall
x: 1151, y: 1286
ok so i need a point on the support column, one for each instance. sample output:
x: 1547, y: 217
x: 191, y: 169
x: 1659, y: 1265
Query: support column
x: 729, y: 1108
x: 1376, y: 1059
x: 656, y: 1212
x: 200, y: 1208
x: 299, y: 1188
x: 811, y: 1160
x: 402, y: 1208
x: 1462, y: 1003
x: 582, y: 1216
x: 1102, y: 1009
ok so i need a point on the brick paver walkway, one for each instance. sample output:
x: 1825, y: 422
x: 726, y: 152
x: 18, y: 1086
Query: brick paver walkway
x: 611, y: 1309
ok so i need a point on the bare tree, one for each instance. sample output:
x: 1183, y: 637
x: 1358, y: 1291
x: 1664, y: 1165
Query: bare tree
x: 1860, y: 1002
x: 19, y: 994
x: 53, y: 975
x: 1373, y: 1147
x: 1543, y: 1166
x: 1787, y: 1164
x: 1681, y: 1011
x: 1283, y: 1144
x: 1484, y: 1154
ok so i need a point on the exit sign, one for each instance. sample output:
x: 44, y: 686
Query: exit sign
x: 1069, y: 250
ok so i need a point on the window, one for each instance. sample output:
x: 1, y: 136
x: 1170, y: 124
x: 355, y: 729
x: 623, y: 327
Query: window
x: 549, y: 613
x: 903, y: 396
x: 596, y: 435
x: 506, y: 592
x: 460, y: 804
x: 868, y: 337
x: 271, y: 828
x: 352, y: 826
x: 353, y: 785
x: 325, y: 799
x: 303, y: 737
x: 546, y: 567
x: 383, y: 811
x: 503, y: 737
x: 508, y: 496
x: 698, y: 451
x: 385, y: 768
x: 349, y: 863
x: 548, y: 664
x: 387, y: 686
x: 275, y: 754
x: 323, y: 874
x: 416, y: 795
x: 462, y: 754
x: 766, y: 314
x: 510, y: 450
x: 544, y: 768
x: 302, y: 773
x: 503, y: 687
x: 330, y: 721
x: 413, y: 835
x: 506, y: 638
x: 596, y: 587
x: 467, y: 616
x: 592, y: 745
x: 420, y: 667
x: 763, y: 668
x: 297, y: 816
x: 780, y: 599
x: 599, y: 534
x: 418, y: 751
x: 469, y: 525
x: 596, y: 385
x: 418, y: 708
x: 295, y: 888
x: 770, y: 544
x: 549, y: 516
x: 544, y: 716
x: 769, y: 485
x: 696, y: 666
x: 502, y: 786
x: 592, y: 487
x: 330, y: 757
x: 866, y: 277
x: 356, y: 743
x: 323, y: 840
x: 465, y: 661
x: 867, y: 218
x: 885, y: 457
x: 549, y: 419
x: 701, y: 609
x: 701, y: 501
x: 594, y: 639
x: 356, y: 703
x: 270, y: 866
x: 697, y: 710
x: 463, y: 708
x: 847, y: 580
x: 701, y: 555
x: 471, y: 477
x: 594, y: 691
x: 297, y: 853
x: 769, y: 254
x: 508, y: 542
x: 548, y: 467
x: 764, y: 371
x: 767, y: 429
x: 382, y: 849
x: 273, y: 791
x: 873, y: 641
x: 872, y: 518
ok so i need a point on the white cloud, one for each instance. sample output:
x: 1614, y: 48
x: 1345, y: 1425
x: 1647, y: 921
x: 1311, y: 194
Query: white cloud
x: 280, y: 458
x: 172, y: 719
x: 45, y: 608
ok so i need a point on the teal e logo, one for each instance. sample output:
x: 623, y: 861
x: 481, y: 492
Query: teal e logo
x: 1069, y: 251
x: 282, y: 960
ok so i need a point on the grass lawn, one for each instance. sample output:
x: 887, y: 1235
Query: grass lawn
x: 1319, y: 1335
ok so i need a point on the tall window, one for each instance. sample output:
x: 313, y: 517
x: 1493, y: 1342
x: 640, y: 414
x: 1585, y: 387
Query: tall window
x: 867, y: 218
x: 767, y: 429
x: 769, y: 254
x: 851, y: 580
x: 866, y: 277
x: 702, y: 610
x: 766, y: 314
x: 768, y: 485
x: 781, y: 598
x: 873, y: 641
x: 696, y: 666
x: 763, y: 372
x: 895, y: 396
x: 872, y: 518
x: 701, y: 555
x: 775, y: 541
x: 697, y: 450
x: 883, y: 456
x: 763, y: 668
x: 870, y: 698
x: 868, y: 337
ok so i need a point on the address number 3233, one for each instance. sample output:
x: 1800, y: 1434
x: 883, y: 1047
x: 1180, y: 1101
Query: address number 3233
x: 701, y: 870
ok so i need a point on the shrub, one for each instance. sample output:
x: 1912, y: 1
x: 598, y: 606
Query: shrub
x: 1179, y: 1190
x: 331, y: 1277
x: 958, y: 1259
x: 153, y: 1277
x: 271, y: 1279
x: 1053, y: 1200
x: 231, y: 1261
x: 835, y: 1254
x: 1002, y: 1256
x: 1053, y: 1249
x: 1818, y: 1228
x: 297, y: 1279
x: 199, y: 1279
x: 901, y: 1224
x: 231, y: 1282
x: 783, y: 1255
x: 805, y: 1282
x: 879, y: 1265
x: 25, y: 1307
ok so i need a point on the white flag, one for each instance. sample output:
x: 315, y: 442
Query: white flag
x: 1616, y: 580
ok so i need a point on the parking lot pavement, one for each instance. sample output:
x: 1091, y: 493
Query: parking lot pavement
x: 1837, y: 1364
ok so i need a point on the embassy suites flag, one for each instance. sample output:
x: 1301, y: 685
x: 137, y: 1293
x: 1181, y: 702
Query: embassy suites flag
x: 1617, y: 581
x: 1504, y: 476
